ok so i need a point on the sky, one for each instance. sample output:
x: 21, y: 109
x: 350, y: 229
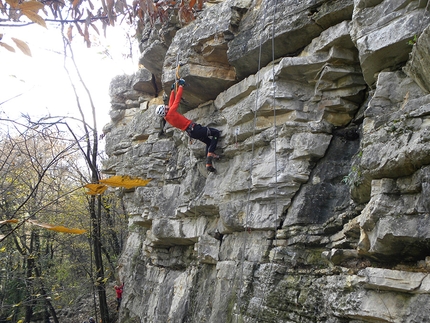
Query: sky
x: 39, y: 85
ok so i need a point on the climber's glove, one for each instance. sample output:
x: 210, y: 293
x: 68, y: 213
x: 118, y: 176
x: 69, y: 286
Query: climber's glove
x: 181, y: 82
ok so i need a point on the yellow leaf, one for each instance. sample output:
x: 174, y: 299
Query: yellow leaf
x: 57, y: 228
x: 22, y: 46
x: 3, y: 249
x: 125, y: 181
x: 9, y: 48
x: 34, y: 6
x: 34, y: 17
x: 9, y: 221
x: 96, y: 189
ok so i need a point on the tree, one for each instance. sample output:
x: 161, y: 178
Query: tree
x: 85, y: 16
x: 35, y: 184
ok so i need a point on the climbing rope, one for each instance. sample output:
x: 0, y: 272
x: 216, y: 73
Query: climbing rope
x: 246, y: 223
x: 276, y: 165
x: 177, y: 76
x: 251, y: 167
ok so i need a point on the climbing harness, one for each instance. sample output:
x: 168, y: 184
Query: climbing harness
x: 190, y: 128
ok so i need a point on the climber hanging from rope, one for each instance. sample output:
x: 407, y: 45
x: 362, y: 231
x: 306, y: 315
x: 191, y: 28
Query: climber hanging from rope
x: 169, y: 113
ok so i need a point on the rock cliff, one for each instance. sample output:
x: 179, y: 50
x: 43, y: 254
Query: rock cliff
x: 319, y: 211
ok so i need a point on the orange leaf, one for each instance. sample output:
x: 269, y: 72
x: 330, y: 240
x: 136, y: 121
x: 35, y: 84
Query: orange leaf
x: 57, y: 228
x: 22, y: 46
x: 34, y: 6
x: 9, y: 221
x: 96, y: 189
x: 9, y: 48
x: 125, y: 181
x: 192, y: 3
x: 34, y: 17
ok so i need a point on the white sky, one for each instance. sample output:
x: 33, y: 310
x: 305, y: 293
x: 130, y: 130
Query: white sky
x: 43, y: 81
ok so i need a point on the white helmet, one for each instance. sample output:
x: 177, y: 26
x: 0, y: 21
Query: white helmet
x: 161, y: 110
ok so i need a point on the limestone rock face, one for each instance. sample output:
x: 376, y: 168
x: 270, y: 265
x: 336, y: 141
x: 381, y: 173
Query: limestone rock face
x: 319, y: 210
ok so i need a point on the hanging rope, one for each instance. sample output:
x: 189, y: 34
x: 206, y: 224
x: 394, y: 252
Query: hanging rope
x: 177, y: 76
x: 275, y: 161
x: 248, y: 206
x: 246, y: 225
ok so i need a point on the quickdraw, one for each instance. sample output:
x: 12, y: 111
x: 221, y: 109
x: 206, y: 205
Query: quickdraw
x: 177, y: 76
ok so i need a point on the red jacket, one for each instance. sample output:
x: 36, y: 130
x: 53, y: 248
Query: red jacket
x: 118, y: 290
x: 174, y: 117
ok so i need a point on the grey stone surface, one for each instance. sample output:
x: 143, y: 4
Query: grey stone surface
x: 319, y: 211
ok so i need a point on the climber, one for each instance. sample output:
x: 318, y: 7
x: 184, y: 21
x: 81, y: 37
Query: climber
x: 207, y: 135
x: 118, y: 290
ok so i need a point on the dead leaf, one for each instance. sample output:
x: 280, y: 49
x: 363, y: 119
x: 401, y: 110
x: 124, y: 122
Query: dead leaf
x: 13, y: 3
x: 79, y: 29
x: 22, y: 46
x: 9, y: 48
x: 69, y: 33
x: 95, y: 28
x: 34, y: 6
x: 34, y: 17
x: 87, y: 36
x: 75, y: 3
x: 9, y: 221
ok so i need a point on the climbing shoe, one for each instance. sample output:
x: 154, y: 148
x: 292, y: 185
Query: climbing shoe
x: 213, y: 155
x: 209, y: 160
x: 210, y: 168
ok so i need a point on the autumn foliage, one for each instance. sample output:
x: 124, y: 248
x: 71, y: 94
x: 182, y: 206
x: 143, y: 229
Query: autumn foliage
x: 85, y: 17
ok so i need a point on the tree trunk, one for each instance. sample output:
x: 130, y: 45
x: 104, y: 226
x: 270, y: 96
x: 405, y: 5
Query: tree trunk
x: 95, y: 209
x: 30, y: 264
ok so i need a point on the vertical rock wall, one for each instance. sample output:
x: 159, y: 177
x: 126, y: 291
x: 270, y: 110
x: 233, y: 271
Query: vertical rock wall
x: 319, y: 211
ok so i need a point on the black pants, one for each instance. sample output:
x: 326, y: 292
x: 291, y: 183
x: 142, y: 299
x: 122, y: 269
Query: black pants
x: 118, y: 303
x: 205, y: 134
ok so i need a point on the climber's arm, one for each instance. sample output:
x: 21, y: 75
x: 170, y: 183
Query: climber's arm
x: 177, y: 99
